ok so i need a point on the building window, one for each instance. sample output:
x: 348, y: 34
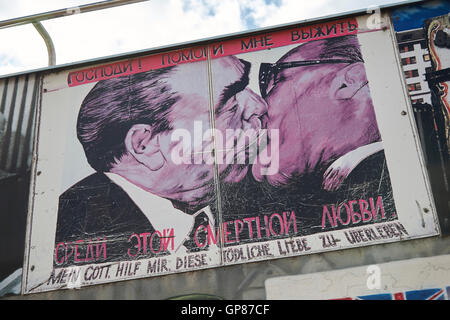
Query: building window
x: 411, y: 74
x: 406, y: 37
x: 426, y: 57
x: 406, y: 48
x: 409, y: 60
x: 414, y: 87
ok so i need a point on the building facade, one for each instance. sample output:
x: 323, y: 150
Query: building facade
x: 415, y: 60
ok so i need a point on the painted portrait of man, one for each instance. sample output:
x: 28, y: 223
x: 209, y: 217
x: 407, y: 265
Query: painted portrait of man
x: 330, y: 148
x: 320, y: 101
x: 140, y: 201
x: 326, y: 155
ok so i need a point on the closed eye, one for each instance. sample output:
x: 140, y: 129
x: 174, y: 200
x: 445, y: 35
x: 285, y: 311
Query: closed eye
x: 278, y: 78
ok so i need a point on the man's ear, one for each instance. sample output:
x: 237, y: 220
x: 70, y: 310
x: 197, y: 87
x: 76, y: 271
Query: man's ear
x: 144, y: 147
x: 349, y: 81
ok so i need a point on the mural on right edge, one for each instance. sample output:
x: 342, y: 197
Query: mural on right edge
x: 423, y: 36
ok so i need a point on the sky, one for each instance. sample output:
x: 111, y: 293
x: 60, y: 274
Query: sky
x: 145, y: 25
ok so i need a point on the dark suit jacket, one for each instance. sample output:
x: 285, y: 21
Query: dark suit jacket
x: 98, y: 222
x: 96, y: 213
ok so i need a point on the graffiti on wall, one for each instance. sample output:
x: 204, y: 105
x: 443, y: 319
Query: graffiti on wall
x: 248, y: 149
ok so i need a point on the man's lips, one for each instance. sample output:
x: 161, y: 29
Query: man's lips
x: 259, y: 124
x: 264, y: 119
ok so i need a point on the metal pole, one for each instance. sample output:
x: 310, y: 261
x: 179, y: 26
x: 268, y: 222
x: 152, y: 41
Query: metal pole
x: 37, y: 18
x: 65, y: 12
x: 48, y: 42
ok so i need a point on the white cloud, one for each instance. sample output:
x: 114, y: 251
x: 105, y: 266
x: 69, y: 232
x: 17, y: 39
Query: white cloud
x: 138, y: 27
x: 294, y: 10
x: 144, y: 25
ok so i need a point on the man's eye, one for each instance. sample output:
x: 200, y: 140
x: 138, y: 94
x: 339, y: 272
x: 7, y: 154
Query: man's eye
x: 275, y: 79
x: 234, y: 108
x: 343, y: 86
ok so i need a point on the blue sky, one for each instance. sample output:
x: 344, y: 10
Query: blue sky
x: 145, y: 25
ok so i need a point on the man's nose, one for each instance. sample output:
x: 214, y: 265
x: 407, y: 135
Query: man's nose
x: 254, y: 108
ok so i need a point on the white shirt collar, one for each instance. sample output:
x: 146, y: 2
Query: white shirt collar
x: 159, y: 211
